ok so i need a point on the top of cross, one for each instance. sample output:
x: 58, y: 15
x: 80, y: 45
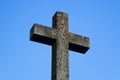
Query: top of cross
x: 60, y: 23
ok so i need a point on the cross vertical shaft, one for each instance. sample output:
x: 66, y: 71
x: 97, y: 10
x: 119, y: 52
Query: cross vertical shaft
x: 60, y: 70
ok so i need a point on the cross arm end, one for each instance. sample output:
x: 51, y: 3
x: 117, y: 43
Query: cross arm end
x: 42, y: 34
x: 78, y: 43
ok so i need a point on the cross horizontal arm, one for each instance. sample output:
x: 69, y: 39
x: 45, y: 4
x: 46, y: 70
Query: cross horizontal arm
x: 43, y: 34
x: 78, y: 43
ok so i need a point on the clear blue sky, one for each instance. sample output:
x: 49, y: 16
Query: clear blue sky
x: 22, y: 59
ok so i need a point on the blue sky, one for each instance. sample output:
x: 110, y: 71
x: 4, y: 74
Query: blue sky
x: 22, y: 59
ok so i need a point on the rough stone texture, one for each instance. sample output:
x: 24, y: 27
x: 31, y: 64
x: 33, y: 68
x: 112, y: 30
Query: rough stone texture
x: 60, y: 48
x: 61, y: 41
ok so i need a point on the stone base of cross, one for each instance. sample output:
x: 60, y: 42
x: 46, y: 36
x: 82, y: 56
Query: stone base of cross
x: 61, y: 41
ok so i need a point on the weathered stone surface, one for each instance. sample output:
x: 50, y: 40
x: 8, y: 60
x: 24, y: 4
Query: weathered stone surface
x: 78, y: 43
x: 60, y: 48
x: 61, y: 41
x: 43, y: 34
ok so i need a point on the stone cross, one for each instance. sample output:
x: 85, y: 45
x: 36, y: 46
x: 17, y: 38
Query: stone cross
x: 61, y: 41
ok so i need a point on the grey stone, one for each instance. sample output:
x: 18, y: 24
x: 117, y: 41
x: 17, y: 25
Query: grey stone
x: 61, y: 41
